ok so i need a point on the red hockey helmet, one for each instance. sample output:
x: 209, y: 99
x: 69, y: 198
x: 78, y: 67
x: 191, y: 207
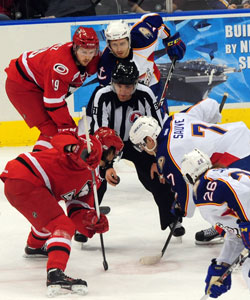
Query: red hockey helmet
x: 109, y: 139
x: 86, y: 37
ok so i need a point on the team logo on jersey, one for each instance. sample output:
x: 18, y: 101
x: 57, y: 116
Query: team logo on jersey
x: 134, y: 115
x: 101, y: 70
x: 145, y: 32
x: 61, y: 69
x: 161, y: 162
x: 73, y: 195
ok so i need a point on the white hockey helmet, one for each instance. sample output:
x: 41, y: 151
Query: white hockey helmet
x: 144, y: 126
x: 194, y: 164
x: 117, y: 30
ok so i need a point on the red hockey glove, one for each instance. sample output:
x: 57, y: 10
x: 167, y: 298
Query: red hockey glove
x: 94, y: 157
x: 102, y: 225
x: 72, y: 129
x: 86, y: 222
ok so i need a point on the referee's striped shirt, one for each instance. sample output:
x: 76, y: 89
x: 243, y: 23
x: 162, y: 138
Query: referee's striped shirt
x: 105, y: 109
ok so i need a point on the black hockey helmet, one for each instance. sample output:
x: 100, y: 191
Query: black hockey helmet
x: 125, y: 72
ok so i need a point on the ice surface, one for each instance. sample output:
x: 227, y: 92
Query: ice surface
x: 134, y: 232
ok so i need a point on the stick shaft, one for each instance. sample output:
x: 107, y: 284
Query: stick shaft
x: 105, y: 264
x: 169, y: 238
x: 164, y: 92
x: 224, y: 99
x: 238, y: 261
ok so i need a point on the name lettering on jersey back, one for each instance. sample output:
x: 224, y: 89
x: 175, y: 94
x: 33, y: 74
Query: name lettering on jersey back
x: 178, y: 129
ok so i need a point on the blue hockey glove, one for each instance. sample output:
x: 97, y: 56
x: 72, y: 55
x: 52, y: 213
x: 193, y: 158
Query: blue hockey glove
x: 175, y: 46
x: 245, y: 233
x: 213, y: 287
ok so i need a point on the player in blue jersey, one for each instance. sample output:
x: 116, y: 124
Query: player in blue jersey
x: 222, y: 196
x: 181, y: 133
x: 138, y: 44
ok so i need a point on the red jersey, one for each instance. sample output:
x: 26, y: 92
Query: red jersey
x: 58, y: 172
x: 53, y: 70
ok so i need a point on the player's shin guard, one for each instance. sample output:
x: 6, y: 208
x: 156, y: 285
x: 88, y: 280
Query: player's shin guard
x: 59, y: 244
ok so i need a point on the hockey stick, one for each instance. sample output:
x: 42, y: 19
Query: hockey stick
x: 164, y: 92
x: 224, y: 99
x: 151, y: 260
x: 238, y: 261
x: 105, y: 264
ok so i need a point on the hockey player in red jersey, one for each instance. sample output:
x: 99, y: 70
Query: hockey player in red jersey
x: 112, y: 146
x: 38, y: 83
x: 34, y: 184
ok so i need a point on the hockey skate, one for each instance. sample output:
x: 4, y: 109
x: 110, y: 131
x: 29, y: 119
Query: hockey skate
x: 208, y: 236
x: 35, y: 252
x: 179, y: 231
x: 58, y: 283
x: 79, y: 237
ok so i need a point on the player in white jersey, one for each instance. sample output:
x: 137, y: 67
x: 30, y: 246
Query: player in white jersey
x: 196, y: 127
x: 138, y: 44
x: 222, y: 196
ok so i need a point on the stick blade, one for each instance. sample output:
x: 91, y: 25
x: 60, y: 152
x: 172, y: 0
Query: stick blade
x: 105, y: 265
x: 150, y: 260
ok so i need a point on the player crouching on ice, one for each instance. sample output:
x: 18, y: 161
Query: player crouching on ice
x: 222, y: 196
x: 195, y: 127
x: 34, y: 184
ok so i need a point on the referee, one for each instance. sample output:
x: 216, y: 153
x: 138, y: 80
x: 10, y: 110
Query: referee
x: 117, y: 106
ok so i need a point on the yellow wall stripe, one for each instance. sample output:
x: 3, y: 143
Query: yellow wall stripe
x: 17, y: 133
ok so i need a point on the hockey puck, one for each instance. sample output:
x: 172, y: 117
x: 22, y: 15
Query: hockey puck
x: 117, y: 179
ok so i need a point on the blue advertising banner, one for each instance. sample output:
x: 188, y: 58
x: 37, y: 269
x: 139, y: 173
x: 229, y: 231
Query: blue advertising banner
x: 217, y: 60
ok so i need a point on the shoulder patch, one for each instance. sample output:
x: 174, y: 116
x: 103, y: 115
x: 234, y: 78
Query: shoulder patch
x: 146, y: 32
x: 61, y: 69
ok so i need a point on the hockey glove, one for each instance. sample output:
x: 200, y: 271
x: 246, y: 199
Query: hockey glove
x: 72, y: 129
x: 102, y: 225
x: 213, y: 287
x: 245, y: 233
x: 86, y: 222
x: 175, y: 47
x: 80, y: 153
x: 176, y: 210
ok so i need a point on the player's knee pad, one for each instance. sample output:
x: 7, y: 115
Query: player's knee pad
x: 61, y: 226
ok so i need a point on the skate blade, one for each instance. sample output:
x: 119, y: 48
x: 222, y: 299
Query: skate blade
x: 178, y: 239
x: 35, y: 256
x: 55, y: 290
x: 212, y: 242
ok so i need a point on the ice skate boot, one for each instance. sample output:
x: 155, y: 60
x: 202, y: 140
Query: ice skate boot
x: 35, y: 252
x: 208, y: 236
x: 58, y: 283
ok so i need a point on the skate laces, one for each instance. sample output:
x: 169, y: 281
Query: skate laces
x: 178, y: 225
x: 210, y: 232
